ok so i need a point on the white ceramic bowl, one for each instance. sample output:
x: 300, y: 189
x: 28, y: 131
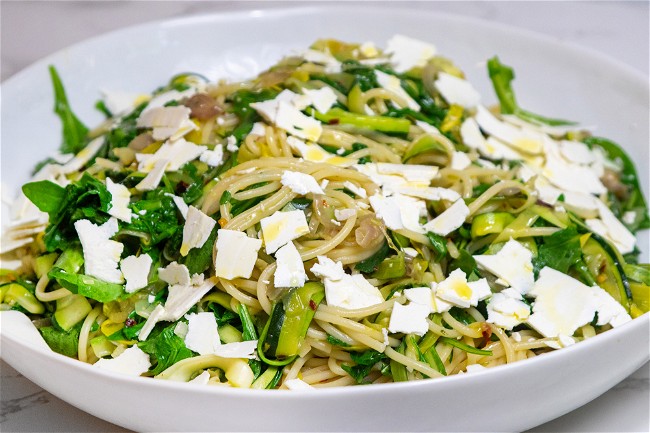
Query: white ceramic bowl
x: 553, y: 79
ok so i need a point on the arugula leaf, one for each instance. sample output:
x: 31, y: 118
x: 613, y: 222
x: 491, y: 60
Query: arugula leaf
x: 336, y: 342
x: 46, y: 195
x: 636, y: 201
x: 370, y: 264
x: 65, y: 343
x: 123, y: 133
x: 439, y: 244
x: 502, y: 76
x: 241, y: 101
x: 74, y: 132
x: 364, y: 363
x: 87, y: 285
x: 87, y: 198
x: 165, y: 348
x: 160, y: 221
x: 199, y: 259
x: 559, y: 251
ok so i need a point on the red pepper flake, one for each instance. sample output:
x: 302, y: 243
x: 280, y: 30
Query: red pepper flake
x: 129, y: 322
x: 333, y: 121
x: 312, y: 305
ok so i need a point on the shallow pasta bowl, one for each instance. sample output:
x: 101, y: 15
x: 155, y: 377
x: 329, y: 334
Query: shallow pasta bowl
x: 553, y: 79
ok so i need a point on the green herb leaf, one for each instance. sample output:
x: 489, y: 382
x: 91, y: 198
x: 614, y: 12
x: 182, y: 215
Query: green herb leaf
x: 165, y: 348
x: 46, y: 195
x: 65, y: 343
x: 559, y: 251
x: 88, y: 286
x: 370, y: 264
x: 74, y: 132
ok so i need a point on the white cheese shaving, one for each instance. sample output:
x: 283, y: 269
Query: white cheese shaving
x: 513, y: 264
x: 450, y: 220
x: 407, y: 53
x: 283, y: 227
x: 101, y: 254
x: 301, y: 183
x: 167, y: 122
x: 136, y: 272
x: 290, y: 270
x: 196, y: 230
x: 133, y: 362
x: 120, y: 197
x: 236, y: 254
x: 457, y: 91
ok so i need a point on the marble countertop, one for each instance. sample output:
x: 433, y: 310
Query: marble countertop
x: 32, y: 30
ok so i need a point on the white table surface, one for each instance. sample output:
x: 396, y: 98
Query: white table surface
x: 31, y: 30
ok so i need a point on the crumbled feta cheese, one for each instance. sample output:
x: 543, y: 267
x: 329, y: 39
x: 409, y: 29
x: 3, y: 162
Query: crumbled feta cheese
x: 214, y: 157
x: 407, y: 53
x: 507, y: 309
x: 427, y: 127
x: 119, y: 102
x: 322, y: 99
x: 153, y: 178
x: 356, y: 190
x: 609, y: 227
x: 450, y: 220
x: 474, y: 368
x: 332, y: 66
x: 410, y: 252
x: 120, y: 197
x: 423, y: 296
x: 101, y: 254
x: 409, y: 319
x: 513, y: 264
x: 241, y: 349
x: 201, y: 379
x: 520, y: 140
x: 286, y: 116
x: 177, y: 153
x: 258, y: 129
x: 290, y: 270
x: 202, y: 333
x: 133, y: 362
x: 460, y: 160
x: 351, y: 292
x: 315, y: 153
x: 572, y: 177
x: 167, y: 122
x: 432, y: 193
x: 399, y: 211
x: 196, y: 230
x: 301, y: 183
x: 175, y: 273
x: 394, y: 85
x: 457, y: 91
x: 231, y: 144
x: 298, y: 385
x: 562, y: 304
x: 136, y: 272
x: 328, y: 268
x: 610, y: 311
x: 81, y: 158
x: 236, y: 254
x: 456, y: 290
x: 576, y: 152
x: 180, y: 204
x: 283, y: 227
x: 183, y: 297
x: 162, y: 99
x: 629, y: 217
x: 368, y: 49
x: 344, y: 214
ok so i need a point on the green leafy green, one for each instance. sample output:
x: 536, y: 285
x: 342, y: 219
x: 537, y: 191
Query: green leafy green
x: 635, y: 202
x: 465, y: 347
x: 439, y: 244
x: 160, y: 220
x: 241, y: 101
x: 198, y: 259
x: 164, y: 348
x: 370, y: 264
x: 65, y: 343
x: 74, y: 131
x: 88, y: 286
x: 502, y: 76
x: 336, y: 342
x: 640, y: 273
x: 364, y: 362
x: 46, y: 195
x: 559, y: 251
x: 88, y: 199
